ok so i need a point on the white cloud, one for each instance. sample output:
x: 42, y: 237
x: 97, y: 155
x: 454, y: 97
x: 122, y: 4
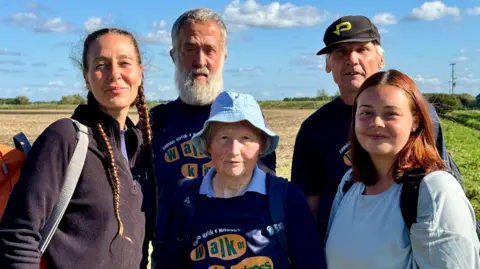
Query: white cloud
x: 93, y: 23
x: 473, y: 11
x: 462, y: 57
x: 161, y: 36
x: 56, y: 83
x: 55, y: 25
x: 385, y: 19
x: 232, y: 27
x: 9, y: 52
x: 21, y: 19
x: 470, y: 79
x: 309, y: 60
x: 243, y: 70
x: 434, y: 10
x: 240, y: 16
x: 39, y: 24
x: 427, y: 80
x: 382, y: 30
x: 159, y: 24
x: 166, y: 88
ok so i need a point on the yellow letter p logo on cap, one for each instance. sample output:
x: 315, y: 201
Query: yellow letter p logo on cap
x: 341, y: 27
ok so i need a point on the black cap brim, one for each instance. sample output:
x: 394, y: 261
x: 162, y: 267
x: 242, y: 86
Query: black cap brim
x: 328, y: 49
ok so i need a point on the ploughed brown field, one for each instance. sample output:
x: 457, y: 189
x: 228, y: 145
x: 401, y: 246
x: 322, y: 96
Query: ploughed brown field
x: 285, y: 122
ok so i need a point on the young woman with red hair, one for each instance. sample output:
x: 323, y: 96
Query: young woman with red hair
x: 393, y: 144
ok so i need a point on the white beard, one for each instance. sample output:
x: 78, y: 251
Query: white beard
x: 191, y: 92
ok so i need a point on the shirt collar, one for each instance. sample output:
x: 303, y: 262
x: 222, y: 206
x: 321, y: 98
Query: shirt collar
x: 257, y: 184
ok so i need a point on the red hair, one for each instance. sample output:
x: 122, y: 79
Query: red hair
x: 419, y: 153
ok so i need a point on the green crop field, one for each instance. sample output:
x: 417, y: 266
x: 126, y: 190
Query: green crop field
x: 470, y: 118
x: 464, y: 145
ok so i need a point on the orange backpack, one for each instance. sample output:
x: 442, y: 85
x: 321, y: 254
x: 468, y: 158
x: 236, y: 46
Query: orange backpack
x: 11, y: 160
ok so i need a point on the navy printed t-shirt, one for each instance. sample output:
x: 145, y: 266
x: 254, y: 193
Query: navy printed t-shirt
x: 236, y: 233
x: 175, y: 157
x: 321, y: 154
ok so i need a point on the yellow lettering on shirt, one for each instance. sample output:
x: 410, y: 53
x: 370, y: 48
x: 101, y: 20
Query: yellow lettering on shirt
x: 227, y: 247
x: 260, y: 262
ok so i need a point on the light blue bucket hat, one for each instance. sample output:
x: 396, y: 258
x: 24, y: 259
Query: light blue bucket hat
x: 232, y: 107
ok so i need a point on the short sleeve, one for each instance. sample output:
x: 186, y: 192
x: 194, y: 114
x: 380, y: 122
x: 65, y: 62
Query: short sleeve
x: 306, y: 172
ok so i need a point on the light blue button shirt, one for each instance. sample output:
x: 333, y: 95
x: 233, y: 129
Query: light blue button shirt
x: 257, y: 184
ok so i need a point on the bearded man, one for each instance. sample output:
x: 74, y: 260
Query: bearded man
x: 199, y: 51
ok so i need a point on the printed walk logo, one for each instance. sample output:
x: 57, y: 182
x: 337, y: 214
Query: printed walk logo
x: 345, y: 150
x: 225, y: 247
x: 187, y: 149
x: 229, y: 247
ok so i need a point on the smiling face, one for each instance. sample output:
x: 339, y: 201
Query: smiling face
x: 234, y: 148
x: 352, y: 63
x: 113, y: 73
x: 384, y: 120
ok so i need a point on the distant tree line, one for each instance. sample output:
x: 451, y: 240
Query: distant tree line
x: 321, y: 96
x: 23, y: 100
x: 448, y: 102
x: 443, y: 103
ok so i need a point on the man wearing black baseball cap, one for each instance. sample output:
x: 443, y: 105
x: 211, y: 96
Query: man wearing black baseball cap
x: 321, y: 155
x: 349, y: 29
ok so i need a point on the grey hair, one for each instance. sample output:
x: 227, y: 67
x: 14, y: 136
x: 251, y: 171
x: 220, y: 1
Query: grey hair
x: 378, y: 47
x: 198, y: 15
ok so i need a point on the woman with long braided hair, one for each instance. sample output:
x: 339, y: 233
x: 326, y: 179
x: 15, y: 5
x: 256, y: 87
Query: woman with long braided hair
x: 103, y: 226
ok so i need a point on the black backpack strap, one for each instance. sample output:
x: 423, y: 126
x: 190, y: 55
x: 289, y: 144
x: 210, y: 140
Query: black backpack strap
x: 409, y: 197
x: 21, y: 142
x: 188, y: 195
x: 277, y: 198
x: 347, y: 185
x: 409, y: 202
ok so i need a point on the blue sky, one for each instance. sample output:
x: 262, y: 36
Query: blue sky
x: 272, y: 45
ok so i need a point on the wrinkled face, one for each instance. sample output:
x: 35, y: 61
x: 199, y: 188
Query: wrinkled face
x: 113, y: 72
x: 384, y: 120
x: 234, y: 148
x: 199, y: 61
x: 352, y: 63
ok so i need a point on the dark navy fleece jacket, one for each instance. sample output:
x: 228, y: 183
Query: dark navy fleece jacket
x: 86, y: 235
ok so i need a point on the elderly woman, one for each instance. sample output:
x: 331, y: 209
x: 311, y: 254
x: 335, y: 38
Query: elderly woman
x: 236, y: 216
